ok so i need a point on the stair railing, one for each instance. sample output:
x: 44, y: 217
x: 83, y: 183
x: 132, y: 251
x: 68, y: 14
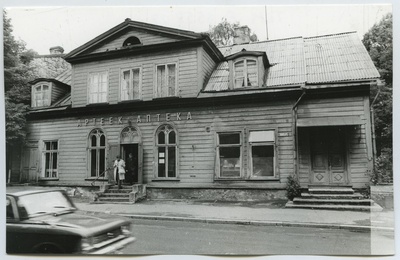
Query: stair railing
x: 100, y: 175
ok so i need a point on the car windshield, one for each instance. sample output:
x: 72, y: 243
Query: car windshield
x: 53, y: 202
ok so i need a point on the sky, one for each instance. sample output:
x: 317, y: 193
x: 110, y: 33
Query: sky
x: 70, y: 27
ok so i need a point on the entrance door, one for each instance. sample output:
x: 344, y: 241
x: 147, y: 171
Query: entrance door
x: 30, y: 163
x: 134, y: 150
x: 328, y: 156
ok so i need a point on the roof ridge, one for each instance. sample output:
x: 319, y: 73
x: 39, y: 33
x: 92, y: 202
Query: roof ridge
x: 332, y: 34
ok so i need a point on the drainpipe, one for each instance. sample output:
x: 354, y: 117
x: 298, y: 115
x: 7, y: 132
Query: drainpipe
x: 372, y: 112
x: 296, y: 141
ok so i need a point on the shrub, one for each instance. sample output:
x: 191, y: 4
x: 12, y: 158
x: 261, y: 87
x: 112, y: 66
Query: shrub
x: 292, y: 188
x: 383, y: 172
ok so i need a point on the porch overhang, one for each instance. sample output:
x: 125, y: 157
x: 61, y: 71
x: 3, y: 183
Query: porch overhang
x: 330, y: 121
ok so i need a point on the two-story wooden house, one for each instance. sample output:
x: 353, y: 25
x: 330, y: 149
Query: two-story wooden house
x: 205, y: 122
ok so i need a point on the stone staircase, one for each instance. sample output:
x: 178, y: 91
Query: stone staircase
x: 333, y: 198
x: 126, y: 195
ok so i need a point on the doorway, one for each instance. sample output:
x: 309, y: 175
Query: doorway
x: 328, y: 156
x: 133, y: 149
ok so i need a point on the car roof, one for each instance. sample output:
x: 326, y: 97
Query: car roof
x: 27, y: 192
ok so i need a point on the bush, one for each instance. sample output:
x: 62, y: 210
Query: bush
x: 292, y: 188
x: 383, y: 172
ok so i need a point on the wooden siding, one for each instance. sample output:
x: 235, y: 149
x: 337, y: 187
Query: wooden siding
x: 187, y: 66
x: 57, y: 92
x: 146, y: 38
x: 207, y: 67
x: 197, y: 146
x: 358, y: 143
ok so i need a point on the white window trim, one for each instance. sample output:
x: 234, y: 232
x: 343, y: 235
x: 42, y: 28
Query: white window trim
x: 158, y: 95
x: 33, y: 93
x: 218, y: 166
x: 88, y: 86
x: 157, y: 145
x: 44, y: 152
x: 245, y: 59
x: 131, y: 81
x: 264, y: 143
x: 90, y: 148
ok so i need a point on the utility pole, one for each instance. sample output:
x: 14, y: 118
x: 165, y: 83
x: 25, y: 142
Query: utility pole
x: 266, y: 21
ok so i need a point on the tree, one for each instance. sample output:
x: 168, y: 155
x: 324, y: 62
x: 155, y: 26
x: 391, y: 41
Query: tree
x: 222, y: 34
x: 379, y: 43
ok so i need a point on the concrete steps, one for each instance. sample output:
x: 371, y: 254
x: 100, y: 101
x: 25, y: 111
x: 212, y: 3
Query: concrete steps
x: 124, y: 195
x: 333, y: 198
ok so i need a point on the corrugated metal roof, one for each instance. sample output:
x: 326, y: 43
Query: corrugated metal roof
x: 322, y: 59
x: 65, y: 77
x: 340, y: 57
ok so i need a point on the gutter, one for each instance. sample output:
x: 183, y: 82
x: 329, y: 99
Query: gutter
x: 295, y: 133
x: 372, y: 112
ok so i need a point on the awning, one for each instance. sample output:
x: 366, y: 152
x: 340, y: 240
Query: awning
x: 330, y: 121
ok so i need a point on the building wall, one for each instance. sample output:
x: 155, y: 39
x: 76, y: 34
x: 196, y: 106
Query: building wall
x: 359, y: 142
x: 187, y: 67
x: 196, y: 137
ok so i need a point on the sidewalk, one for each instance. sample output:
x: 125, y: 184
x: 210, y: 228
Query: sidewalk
x: 247, y: 214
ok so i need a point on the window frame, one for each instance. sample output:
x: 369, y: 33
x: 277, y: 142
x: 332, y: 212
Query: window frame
x: 217, y: 154
x: 263, y: 143
x: 33, y: 94
x: 51, y: 152
x: 122, y: 70
x: 245, y: 69
x: 98, y: 147
x: 98, y: 92
x: 166, y: 145
x: 158, y: 95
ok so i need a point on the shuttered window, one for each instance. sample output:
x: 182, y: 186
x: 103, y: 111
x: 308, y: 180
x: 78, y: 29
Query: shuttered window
x: 41, y: 95
x: 97, y: 87
x: 245, y: 73
x: 166, y: 80
x: 130, y: 84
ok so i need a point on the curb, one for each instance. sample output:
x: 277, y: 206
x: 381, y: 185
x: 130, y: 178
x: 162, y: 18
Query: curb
x: 258, y: 222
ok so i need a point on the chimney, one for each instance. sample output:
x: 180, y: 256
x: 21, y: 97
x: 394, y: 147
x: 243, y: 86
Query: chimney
x: 241, y: 35
x: 56, y: 50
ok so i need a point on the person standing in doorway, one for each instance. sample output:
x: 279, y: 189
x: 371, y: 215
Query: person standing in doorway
x: 119, y: 171
x: 130, y: 169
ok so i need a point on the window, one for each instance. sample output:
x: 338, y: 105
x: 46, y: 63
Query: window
x: 166, y: 80
x: 246, y: 73
x: 41, y: 95
x: 229, y: 155
x: 97, y: 87
x: 166, y: 152
x: 262, y: 153
x: 131, y: 41
x: 130, y: 84
x: 97, y: 153
x: 50, y: 159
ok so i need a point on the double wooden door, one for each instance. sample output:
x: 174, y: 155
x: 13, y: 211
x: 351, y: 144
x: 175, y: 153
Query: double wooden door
x: 328, y: 156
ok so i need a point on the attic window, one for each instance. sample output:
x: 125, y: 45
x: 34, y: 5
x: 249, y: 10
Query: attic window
x: 246, y: 73
x: 131, y: 41
x: 41, y: 95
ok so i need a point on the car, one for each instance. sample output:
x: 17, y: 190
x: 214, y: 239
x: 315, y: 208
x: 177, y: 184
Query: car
x: 47, y: 222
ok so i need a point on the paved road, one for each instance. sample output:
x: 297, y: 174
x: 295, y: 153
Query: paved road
x: 176, y: 237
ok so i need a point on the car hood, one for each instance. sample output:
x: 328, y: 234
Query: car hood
x: 83, y: 222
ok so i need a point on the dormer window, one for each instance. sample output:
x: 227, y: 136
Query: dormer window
x: 247, y: 69
x: 245, y: 73
x: 41, y: 95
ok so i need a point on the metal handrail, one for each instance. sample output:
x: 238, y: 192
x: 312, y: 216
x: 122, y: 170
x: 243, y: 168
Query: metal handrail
x: 98, y: 177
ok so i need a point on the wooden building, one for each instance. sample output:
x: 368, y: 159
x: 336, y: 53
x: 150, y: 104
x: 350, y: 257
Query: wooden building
x: 204, y: 121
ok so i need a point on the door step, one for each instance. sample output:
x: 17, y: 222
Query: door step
x: 124, y: 195
x: 333, y: 198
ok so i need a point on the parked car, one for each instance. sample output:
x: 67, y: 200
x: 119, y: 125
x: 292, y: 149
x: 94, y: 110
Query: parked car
x: 47, y: 222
